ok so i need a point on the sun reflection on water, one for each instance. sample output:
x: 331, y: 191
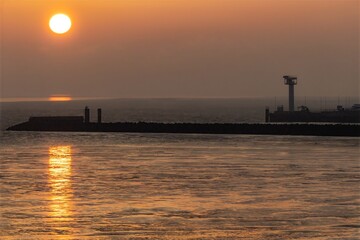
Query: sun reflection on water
x: 60, y: 182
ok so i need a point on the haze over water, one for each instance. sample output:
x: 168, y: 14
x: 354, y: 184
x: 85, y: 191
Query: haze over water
x: 217, y: 61
x: 180, y: 48
x: 175, y: 186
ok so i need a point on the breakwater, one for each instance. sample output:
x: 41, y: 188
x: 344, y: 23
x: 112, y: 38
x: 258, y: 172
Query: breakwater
x: 76, y: 124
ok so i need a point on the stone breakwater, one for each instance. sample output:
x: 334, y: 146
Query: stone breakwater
x: 75, y: 124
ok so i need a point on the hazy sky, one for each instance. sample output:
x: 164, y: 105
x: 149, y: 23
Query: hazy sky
x: 180, y: 48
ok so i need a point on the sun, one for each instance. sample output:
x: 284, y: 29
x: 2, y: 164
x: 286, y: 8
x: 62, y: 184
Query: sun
x: 60, y: 23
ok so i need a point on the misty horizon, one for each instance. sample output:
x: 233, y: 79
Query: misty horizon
x: 179, y: 119
x: 236, y: 49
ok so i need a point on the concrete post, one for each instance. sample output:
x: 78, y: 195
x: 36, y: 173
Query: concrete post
x: 87, y: 115
x: 99, y: 115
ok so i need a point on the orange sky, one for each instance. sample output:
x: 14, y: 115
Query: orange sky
x: 180, y: 48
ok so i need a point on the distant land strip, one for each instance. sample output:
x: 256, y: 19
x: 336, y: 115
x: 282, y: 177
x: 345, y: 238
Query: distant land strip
x: 305, y: 129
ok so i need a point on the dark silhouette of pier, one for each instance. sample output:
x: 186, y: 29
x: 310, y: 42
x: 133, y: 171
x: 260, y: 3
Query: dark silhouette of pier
x: 83, y: 124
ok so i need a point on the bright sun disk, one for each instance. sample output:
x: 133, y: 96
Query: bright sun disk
x: 60, y: 23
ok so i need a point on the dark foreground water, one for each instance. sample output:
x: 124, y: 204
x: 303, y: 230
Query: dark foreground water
x: 172, y: 186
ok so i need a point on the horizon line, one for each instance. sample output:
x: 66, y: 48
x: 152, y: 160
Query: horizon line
x: 46, y: 99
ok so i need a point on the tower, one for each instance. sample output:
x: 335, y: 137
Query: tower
x: 291, y: 81
x: 267, y: 114
x: 87, y: 115
x: 99, y: 115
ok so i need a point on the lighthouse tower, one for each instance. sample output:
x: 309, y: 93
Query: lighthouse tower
x: 291, y: 81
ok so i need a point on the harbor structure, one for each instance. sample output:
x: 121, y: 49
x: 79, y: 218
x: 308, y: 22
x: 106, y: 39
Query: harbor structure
x: 79, y: 124
x: 291, y: 81
x: 304, y: 114
x: 99, y: 115
x: 87, y: 114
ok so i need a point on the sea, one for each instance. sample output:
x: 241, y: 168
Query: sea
x: 56, y: 185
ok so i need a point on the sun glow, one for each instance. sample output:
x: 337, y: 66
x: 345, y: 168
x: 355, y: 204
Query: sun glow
x: 60, y: 23
x: 59, y: 98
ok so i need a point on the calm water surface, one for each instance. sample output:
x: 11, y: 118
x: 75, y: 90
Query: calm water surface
x: 171, y: 186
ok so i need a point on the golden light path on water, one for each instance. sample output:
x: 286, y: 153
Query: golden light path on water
x: 148, y: 186
x: 60, y: 183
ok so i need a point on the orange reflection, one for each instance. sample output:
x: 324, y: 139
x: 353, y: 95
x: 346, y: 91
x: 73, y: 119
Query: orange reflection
x: 60, y: 182
x: 59, y: 98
